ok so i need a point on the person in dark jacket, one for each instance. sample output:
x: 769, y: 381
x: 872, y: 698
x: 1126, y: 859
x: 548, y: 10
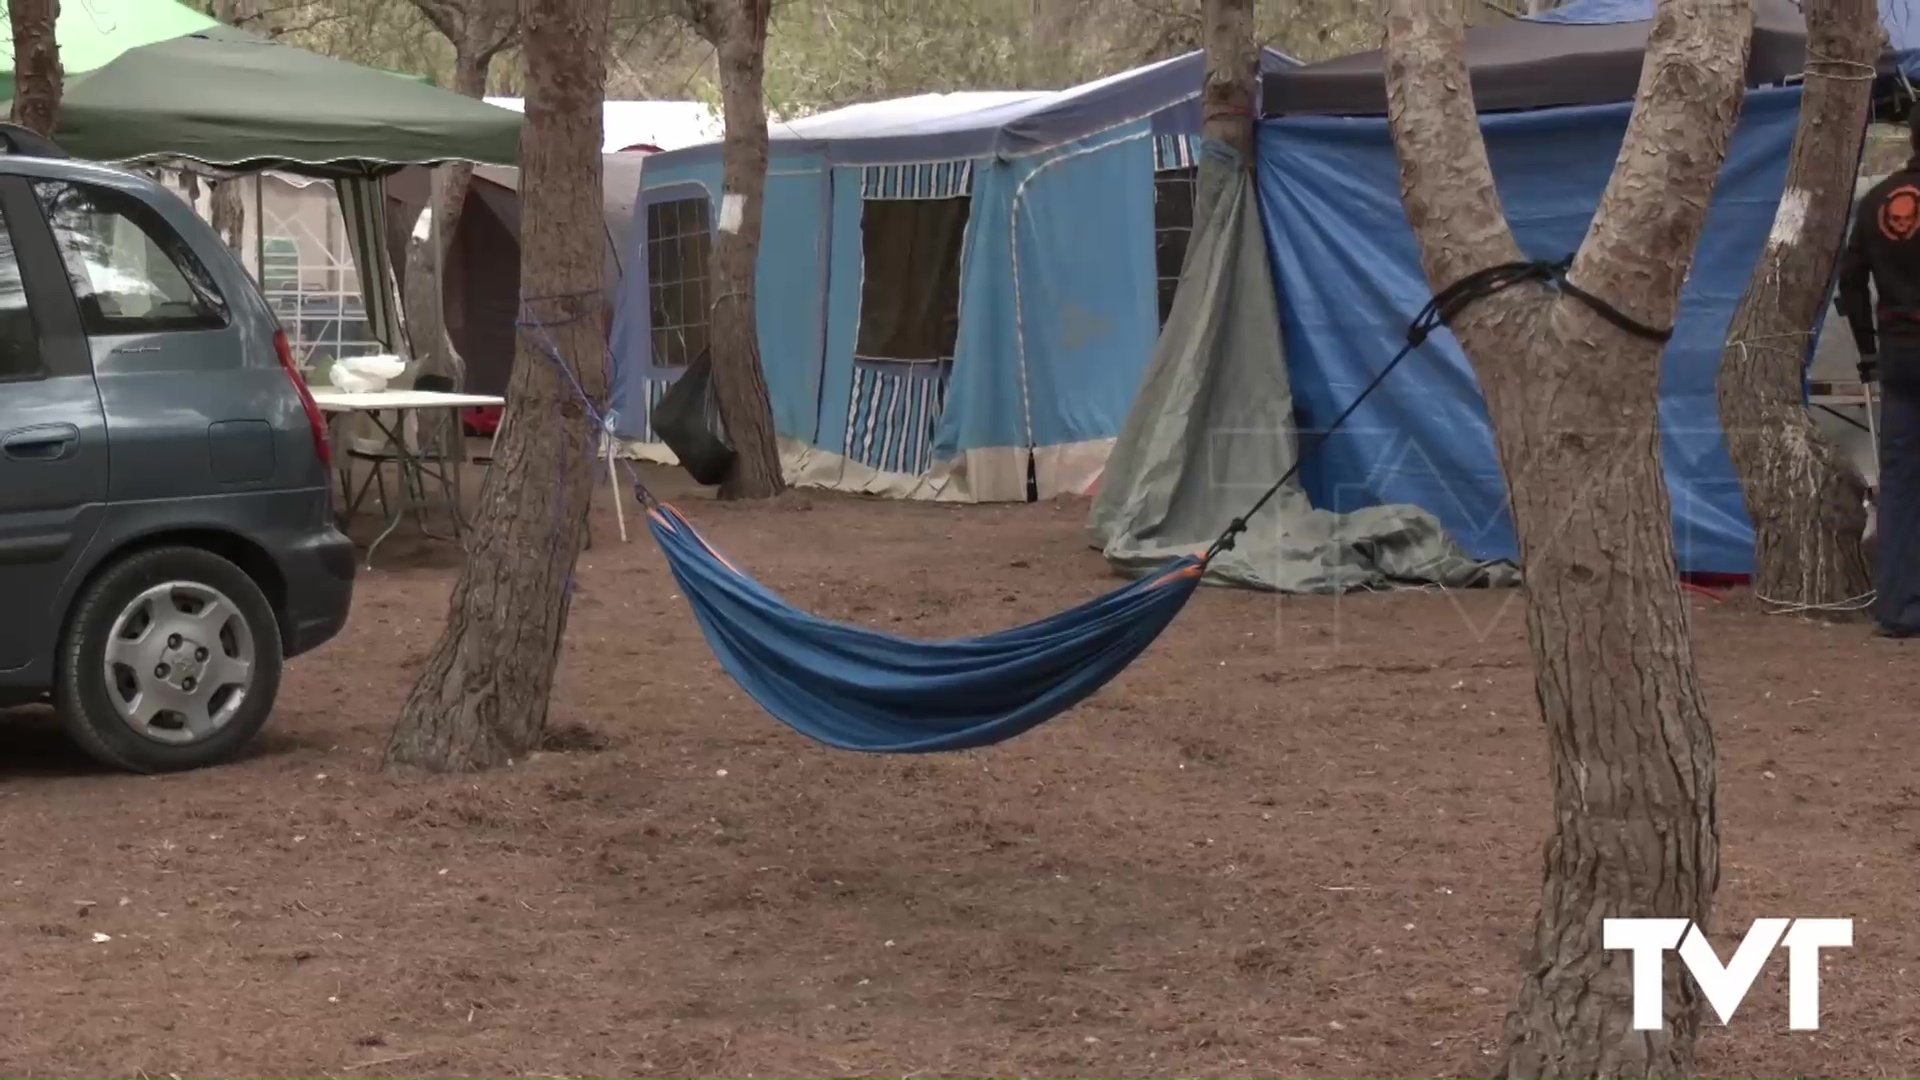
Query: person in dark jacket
x: 1883, y: 256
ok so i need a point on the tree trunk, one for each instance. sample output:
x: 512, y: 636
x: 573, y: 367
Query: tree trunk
x: 477, y: 30
x: 36, y: 64
x: 1574, y: 405
x: 227, y: 211
x: 423, y: 298
x: 738, y: 31
x: 482, y: 696
x: 1054, y: 40
x: 423, y: 295
x: 470, y: 72
x: 1233, y: 65
x: 1804, y: 496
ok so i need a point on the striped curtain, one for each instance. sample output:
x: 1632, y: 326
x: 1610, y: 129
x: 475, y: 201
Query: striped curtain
x: 1175, y: 152
x: 895, y: 413
x: 921, y: 180
x: 363, y: 205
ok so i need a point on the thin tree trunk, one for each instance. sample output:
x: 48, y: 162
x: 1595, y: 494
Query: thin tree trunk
x: 425, y: 296
x: 37, y: 81
x: 1054, y: 41
x: 227, y: 210
x: 478, y: 30
x: 1804, y: 496
x: 1574, y: 405
x: 470, y: 73
x: 482, y: 696
x: 1233, y: 59
x: 738, y: 31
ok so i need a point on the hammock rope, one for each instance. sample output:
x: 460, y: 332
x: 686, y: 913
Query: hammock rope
x: 866, y: 690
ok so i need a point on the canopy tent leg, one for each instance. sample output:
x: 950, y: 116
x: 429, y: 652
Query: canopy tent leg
x: 260, y: 230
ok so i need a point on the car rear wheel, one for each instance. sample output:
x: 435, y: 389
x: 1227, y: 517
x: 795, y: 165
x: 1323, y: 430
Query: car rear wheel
x: 171, y: 661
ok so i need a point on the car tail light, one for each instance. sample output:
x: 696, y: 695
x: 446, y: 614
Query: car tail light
x: 315, y: 420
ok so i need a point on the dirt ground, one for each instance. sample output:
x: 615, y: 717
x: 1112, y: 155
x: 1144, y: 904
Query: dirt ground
x: 1298, y: 838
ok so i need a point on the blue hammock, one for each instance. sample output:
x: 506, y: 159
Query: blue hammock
x: 870, y: 691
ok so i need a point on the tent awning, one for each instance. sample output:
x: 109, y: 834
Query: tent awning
x: 232, y: 99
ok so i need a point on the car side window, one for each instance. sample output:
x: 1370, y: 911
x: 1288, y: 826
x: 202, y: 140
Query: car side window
x: 19, y: 337
x: 131, y: 273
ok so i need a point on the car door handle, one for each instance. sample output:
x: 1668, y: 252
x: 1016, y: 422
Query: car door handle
x: 122, y: 350
x: 48, y: 443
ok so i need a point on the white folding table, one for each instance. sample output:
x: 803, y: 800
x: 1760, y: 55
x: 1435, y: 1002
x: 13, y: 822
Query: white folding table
x: 388, y: 411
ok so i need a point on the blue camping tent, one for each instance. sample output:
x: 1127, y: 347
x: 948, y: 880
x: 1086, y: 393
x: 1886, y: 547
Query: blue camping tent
x: 1555, y: 101
x: 953, y: 289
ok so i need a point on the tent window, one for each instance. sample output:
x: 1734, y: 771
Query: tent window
x: 1173, y: 204
x: 910, y: 278
x: 679, y: 239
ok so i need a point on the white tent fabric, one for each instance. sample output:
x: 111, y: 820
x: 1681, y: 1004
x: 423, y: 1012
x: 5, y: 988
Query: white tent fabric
x: 666, y: 125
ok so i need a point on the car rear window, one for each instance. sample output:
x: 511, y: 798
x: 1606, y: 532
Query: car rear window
x: 131, y: 273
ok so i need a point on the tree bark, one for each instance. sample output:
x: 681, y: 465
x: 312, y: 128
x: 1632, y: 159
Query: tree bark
x: 482, y: 696
x: 1233, y: 65
x: 1804, y: 496
x: 423, y: 298
x: 472, y: 64
x: 737, y: 30
x: 478, y: 30
x: 1574, y: 405
x: 37, y: 79
x: 227, y: 212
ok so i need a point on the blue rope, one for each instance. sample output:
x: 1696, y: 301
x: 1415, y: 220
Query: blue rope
x: 542, y: 328
x: 595, y: 416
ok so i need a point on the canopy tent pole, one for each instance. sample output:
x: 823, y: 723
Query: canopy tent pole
x: 260, y: 230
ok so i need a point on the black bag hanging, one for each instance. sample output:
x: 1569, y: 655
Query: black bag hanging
x: 688, y: 421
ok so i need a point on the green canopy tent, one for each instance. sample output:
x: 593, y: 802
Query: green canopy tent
x: 234, y: 100
x: 95, y: 32
x: 229, y: 98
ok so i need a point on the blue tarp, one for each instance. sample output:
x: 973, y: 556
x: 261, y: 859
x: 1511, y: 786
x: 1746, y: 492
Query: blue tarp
x: 1349, y: 279
x: 860, y: 689
x: 1900, y: 17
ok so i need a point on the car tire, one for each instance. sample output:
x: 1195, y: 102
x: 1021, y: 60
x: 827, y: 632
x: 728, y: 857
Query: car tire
x: 156, y: 589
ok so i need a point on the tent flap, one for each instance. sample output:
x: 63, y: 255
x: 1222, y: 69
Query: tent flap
x: 363, y: 208
x: 1212, y: 428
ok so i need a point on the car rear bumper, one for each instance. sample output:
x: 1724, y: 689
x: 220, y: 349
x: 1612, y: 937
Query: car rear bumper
x: 319, y: 576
